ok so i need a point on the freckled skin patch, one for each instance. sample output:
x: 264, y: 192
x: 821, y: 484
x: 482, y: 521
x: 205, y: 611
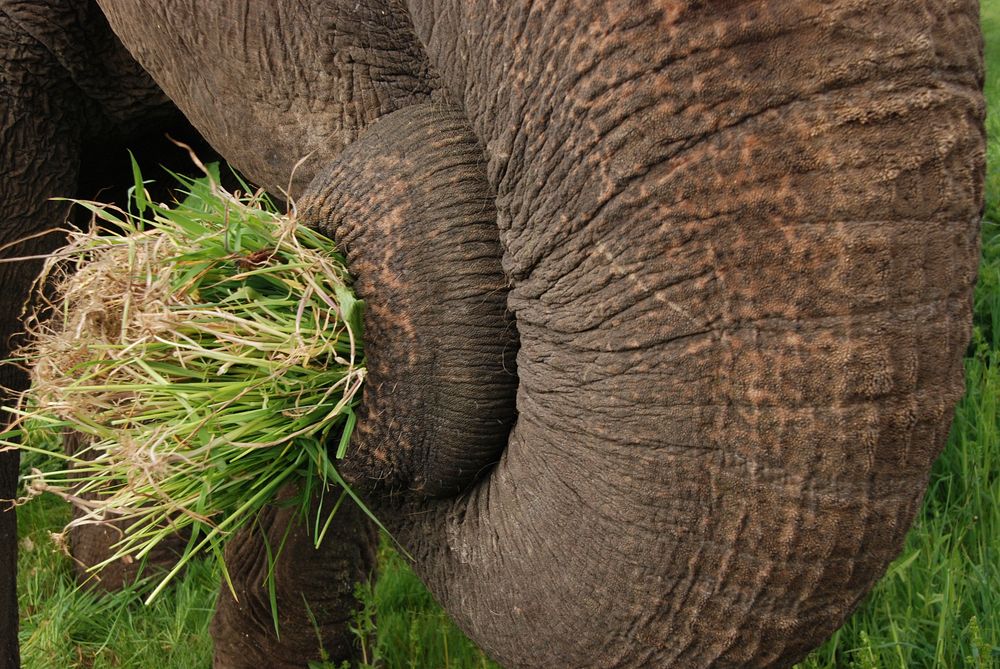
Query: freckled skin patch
x: 410, y: 205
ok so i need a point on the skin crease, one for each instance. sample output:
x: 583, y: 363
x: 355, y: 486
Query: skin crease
x: 740, y: 240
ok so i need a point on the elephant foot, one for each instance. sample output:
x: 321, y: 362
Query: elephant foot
x: 91, y: 545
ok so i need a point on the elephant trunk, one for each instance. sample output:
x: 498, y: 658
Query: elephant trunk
x: 742, y: 239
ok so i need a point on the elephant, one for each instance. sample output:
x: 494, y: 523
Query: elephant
x: 667, y: 298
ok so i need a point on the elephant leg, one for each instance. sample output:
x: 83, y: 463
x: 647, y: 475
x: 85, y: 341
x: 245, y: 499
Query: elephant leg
x: 38, y: 160
x: 313, y: 588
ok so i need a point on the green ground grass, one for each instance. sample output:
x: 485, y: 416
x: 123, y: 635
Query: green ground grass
x: 938, y: 605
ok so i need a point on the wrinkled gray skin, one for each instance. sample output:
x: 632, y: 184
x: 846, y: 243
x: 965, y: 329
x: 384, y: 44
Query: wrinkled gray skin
x: 736, y: 240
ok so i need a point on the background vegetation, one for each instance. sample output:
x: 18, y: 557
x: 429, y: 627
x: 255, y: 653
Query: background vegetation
x: 937, y: 606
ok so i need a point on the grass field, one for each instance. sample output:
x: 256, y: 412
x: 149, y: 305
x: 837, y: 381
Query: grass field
x: 938, y: 605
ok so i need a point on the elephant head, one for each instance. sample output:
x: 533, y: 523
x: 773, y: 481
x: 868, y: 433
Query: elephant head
x: 736, y: 241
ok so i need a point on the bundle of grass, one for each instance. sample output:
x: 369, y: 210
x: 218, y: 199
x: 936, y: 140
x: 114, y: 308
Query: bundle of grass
x: 209, y: 353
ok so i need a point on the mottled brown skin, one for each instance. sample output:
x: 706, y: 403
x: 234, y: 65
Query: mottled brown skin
x: 739, y: 240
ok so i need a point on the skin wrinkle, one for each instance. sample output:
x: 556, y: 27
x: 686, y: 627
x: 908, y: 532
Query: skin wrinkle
x: 76, y: 35
x: 305, y: 80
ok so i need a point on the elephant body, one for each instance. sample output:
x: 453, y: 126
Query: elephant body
x: 732, y: 245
